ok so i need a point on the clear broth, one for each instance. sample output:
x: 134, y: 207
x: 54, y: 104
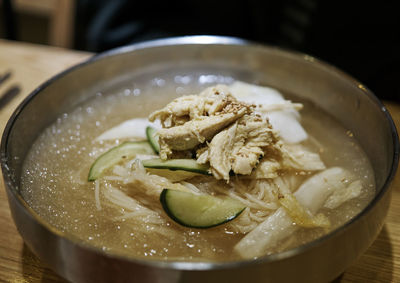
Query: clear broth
x: 55, y: 173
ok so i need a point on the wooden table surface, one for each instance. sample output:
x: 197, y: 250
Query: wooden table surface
x: 33, y: 64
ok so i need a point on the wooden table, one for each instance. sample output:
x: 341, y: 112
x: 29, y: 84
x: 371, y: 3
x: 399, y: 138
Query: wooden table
x: 33, y: 64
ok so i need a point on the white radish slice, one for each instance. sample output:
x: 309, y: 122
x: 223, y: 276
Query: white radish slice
x: 134, y: 128
x: 288, y: 126
x: 285, y: 121
x: 254, y: 94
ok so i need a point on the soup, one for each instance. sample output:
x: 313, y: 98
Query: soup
x: 120, y: 212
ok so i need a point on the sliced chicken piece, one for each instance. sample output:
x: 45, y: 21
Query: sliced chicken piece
x: 179, y: 111
x: 211, y: 101
x: 219, y: 152
x: 253, y: 135
x: 239, y: 147
x: 194, y: 132
x: 191, y: 120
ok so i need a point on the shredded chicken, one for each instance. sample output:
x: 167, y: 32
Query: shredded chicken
x: 194, y: 132
x: 225, y: 132
x: 239, y: 147
x: 191, y: 120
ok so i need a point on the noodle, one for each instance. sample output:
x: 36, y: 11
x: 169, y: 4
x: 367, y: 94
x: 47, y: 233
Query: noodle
x: 97, y: 194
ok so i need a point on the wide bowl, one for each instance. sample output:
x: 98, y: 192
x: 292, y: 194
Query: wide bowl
x: 350, y: 102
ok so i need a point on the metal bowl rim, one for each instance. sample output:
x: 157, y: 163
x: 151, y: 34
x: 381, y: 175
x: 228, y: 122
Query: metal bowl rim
x: 199, y: 40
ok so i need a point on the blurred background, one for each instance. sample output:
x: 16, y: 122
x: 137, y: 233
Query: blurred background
x: 360, y: 37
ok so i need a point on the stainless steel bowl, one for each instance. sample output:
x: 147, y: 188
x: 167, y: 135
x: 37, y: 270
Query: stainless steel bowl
x: 351, y: 103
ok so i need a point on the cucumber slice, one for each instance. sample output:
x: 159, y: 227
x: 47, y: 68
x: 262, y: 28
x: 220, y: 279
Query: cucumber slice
x: 199, y: 211
x: 177, y: 164
x: 116, y: 155
x: 173, y: 176
x: 152, y: 137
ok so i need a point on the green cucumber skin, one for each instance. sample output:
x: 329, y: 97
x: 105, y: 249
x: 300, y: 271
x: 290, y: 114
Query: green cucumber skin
x: 142, y: 147
x: 173, y: 165
x: 171, y: 214
x: 150, y: 132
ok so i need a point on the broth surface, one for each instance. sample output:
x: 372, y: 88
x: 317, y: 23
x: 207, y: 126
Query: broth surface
x: 55, y: 183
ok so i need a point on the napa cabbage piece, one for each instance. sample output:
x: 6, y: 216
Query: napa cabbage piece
x: 289, y: 157
x: 311, y: 195
x: 297, y: 156
x: 344, y: 194
x: 300, y: 215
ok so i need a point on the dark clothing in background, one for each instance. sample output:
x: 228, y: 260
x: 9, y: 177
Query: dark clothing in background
x: 360, y: 37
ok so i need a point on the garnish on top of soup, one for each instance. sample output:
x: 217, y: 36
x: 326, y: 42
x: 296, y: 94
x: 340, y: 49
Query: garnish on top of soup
x: 225, y: 174
x: 218, y: 129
